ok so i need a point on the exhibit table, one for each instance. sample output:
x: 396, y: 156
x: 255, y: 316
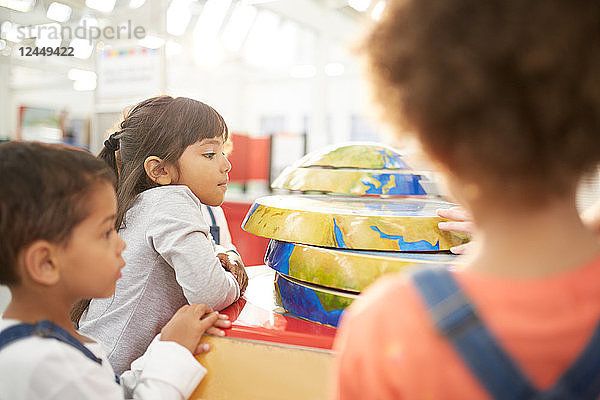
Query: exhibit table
x: 268, y: 353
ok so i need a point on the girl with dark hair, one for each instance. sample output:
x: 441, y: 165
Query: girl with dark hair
x: 168, y: 157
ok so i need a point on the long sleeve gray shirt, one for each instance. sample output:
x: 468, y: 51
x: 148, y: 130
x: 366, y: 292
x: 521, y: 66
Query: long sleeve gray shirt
x: 170, y: 261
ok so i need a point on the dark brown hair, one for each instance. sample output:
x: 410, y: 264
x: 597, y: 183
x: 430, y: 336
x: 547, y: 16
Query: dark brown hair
x: 161, y: 126
x: 503, y: 92
x: 43, y: 196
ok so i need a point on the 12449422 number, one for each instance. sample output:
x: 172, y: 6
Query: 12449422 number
x: 47, y: 51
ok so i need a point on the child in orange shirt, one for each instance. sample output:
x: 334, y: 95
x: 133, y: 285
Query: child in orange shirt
x: 505, y: 98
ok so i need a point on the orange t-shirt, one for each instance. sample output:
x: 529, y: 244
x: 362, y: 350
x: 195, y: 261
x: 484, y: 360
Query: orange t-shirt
x: 388, y: 347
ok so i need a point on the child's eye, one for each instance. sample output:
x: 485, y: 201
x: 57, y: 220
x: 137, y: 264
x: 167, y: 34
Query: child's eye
x: 209, y: 155
x: 107, y: 233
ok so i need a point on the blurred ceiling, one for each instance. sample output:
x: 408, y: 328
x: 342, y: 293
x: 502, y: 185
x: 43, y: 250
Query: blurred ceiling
x: 265, y: 34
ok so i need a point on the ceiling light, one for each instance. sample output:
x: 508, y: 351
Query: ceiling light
x: 378, y: 10
x: 238, y: 26
x: 259, y: 47
x: 303, y: 71
x: 207, y: 50
x: 18, y: 5
x: 59, y: 12
x: 101, y: 5
x: 10, y: 32
x: 82, y: 48
x: 88, y: 21
x: 136, y: 3
x: 360, y: 5
x: 334, y: 69
x: 211, y: 19
x: 286, y: 45
x: 178, y: 17
x: 84, y: 85
x: 48, y: 35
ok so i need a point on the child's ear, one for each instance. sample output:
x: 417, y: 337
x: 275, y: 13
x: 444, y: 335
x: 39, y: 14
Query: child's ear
x: 40, y: 263
x: 157, y: 171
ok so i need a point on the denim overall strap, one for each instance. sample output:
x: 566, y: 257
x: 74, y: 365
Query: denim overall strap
x: 45, y: 329
x: 214, y: 228
x: 455, y: 318
x: 582, y: 379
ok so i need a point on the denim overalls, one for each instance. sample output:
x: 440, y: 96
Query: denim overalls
x: 45, y: 329
x: 457, y: 320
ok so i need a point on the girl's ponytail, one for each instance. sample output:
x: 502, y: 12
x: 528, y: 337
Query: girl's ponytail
x: 108, y: 152
x: 77, y: 311
x: 109, y: 155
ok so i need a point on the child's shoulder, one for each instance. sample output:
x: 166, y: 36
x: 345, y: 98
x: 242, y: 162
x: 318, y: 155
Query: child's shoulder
x: 379, y: 329
x: 158, y: 207
x: 171, y: 194
x: 36, y: 364
x: 40, y: 346
x: 30, y: 354
x: 383, y: 292
x: 391, y: 303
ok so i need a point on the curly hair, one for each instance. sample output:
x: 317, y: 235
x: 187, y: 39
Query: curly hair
x: 501, y: 92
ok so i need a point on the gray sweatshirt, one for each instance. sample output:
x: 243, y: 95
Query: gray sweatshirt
x: 170, y: 261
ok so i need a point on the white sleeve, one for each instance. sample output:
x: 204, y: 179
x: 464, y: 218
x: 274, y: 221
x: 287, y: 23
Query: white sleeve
x: 225, y: 250
x: 68, y: 374
x: 180, y: 235
x: 46, y: 369
x: 166, y: 371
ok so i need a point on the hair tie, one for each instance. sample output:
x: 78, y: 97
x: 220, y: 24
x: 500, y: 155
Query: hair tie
x: 112, y: 143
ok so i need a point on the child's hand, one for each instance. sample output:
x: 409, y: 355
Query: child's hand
x: 221, y: 322
x: 591, y: 217
x: 461, y: 222
x: 233, y: 263
x: 188, y: 325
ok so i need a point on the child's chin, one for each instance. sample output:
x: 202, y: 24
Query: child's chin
x: 109, y: 293
x: 216, y: 202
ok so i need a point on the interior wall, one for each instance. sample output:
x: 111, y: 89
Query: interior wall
x: 324, y: 106
x: 4, y: 298
x: 76, y: 104
x: 242, y: 101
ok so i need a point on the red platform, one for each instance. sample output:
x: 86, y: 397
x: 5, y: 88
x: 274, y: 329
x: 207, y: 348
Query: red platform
x: 257, y: 316
x: 267, y: 354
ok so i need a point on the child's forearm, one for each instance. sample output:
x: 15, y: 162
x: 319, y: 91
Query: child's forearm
x: 169, y: 371
x: 217, y: 287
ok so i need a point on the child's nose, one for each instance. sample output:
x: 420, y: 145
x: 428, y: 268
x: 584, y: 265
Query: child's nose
x: 121, y: 244
x: 227, y: 165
